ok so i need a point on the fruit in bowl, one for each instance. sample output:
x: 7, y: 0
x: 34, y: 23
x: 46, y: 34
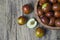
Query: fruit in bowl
x: 59, y: 1
x: 57, y: 14
x: 53, y: 1
x: 56, y: 7
x: 42, y: 2
x: 48, y: 13
x: 57, y: 22
x: 46, y: 7
x: 39, y: 11
x: 52, y: 21
x: 44, y: 20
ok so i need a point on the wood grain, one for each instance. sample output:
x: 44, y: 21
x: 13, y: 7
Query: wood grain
x: 10, y: 10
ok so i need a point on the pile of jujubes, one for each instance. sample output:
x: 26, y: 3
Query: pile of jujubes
x: 49, y: 12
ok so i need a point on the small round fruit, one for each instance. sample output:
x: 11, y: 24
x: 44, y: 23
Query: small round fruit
x: 57, y: 14
x: 40, y: 3
x: 56, y: 7
x: 26, y: 9
x: 49, y: 14
x: 52, y: 21
x: 22, y: 20
x: 43, y: 1
x: 53, y: 1
x: 40, y: 12
x: 57, y: 22
x: 31, y: 23
x: 44, y: 20
x: 39, y: 32
x: 59, y: 1
x: 46, y: 7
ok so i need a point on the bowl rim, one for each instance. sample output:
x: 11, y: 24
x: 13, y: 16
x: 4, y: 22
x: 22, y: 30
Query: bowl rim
x: 38, y: 19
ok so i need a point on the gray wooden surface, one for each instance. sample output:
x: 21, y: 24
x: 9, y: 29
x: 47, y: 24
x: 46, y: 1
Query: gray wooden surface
x: 10, y: 10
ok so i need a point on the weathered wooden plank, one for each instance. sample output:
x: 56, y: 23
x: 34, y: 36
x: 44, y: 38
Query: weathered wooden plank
x: 3, y: 11
x: 23, y: 31
x: 13, y: 28
x: 11, y: 17
x: 7, y: 20
x: 58, y: 34
x: 10, y: 10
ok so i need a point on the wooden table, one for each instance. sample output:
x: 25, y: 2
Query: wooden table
x: 10, y: 10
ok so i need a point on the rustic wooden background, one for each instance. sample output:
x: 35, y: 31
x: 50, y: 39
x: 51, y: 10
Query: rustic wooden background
x: 10, y: 10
